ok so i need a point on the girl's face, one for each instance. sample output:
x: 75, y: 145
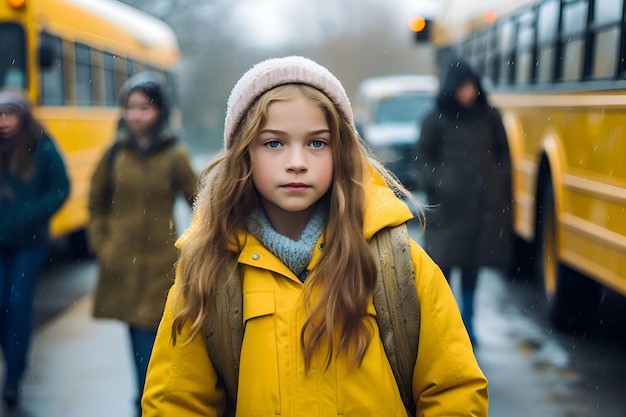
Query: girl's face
x: 140, y: 114
x: 9, y: 123
x: 292, y: 165
x: 467, y: 93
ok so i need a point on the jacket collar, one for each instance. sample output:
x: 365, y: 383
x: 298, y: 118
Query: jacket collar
x: 382, y: 207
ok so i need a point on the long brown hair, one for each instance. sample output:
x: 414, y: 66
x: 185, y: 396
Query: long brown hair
x: 338, y: 290
x: 29, y: 135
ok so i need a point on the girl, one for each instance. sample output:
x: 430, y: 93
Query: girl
x: 295, y: 199
x: 465, y: 169
x: 33, y: 186
x: 131, y: 227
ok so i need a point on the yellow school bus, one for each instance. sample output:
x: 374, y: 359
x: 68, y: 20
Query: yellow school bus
x: 72, y: 57
x: 557, y: 71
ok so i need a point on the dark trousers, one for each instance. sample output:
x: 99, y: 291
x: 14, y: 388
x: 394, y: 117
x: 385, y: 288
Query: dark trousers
x: 469, y: 279
x: 142, y: 341
x: 19, y: 270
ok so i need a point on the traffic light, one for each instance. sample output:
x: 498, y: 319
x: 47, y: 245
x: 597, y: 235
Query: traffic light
x: 421, y: 28
x: 17, y: 4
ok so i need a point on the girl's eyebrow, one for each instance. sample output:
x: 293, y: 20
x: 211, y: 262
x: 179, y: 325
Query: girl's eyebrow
x: 273, y: 131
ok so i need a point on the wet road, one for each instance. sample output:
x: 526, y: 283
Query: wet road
x: 536, y: 371
x: 532, y: 370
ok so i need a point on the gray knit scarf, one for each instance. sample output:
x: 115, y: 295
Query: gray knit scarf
x: 295, y: 254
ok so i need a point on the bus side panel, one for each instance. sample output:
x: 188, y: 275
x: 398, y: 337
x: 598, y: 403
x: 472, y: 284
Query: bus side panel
x: 594, y: 222
x: 82, y: 136
x: 589, y: 179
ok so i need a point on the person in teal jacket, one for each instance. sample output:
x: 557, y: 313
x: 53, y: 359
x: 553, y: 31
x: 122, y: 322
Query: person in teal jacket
x: 33, y: 186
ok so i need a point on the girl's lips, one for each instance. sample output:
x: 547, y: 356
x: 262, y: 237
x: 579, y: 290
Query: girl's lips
x: 296, y: 186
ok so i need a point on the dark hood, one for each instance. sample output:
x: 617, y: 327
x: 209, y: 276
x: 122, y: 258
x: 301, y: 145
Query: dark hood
x: 166, y: 136
x: 458, y: 72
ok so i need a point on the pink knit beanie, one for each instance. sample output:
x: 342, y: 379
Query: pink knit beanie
x: 278, y: 71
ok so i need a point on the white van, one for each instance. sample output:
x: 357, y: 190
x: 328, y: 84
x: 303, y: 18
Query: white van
x: 388, y: 114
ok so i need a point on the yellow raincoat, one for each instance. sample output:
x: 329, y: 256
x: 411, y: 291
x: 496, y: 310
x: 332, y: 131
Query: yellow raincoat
x: 447, y: 381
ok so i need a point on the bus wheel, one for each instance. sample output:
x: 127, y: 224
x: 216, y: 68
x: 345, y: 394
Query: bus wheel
x: 572, y: 299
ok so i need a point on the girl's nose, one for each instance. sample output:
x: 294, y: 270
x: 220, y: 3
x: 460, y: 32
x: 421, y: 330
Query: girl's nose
x: 297, y: 161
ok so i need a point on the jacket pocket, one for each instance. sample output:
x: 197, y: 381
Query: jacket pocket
x: 258, y: 303
x: 259, y: 390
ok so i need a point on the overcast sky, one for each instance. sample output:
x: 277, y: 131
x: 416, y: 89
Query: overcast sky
x: 277, y: 22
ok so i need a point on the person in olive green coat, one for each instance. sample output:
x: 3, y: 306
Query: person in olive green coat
x: 132, y: 228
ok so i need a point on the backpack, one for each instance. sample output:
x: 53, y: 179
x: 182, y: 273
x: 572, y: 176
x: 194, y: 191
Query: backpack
x: 397, y: 316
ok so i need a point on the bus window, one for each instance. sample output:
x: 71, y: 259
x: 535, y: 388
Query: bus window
x: 84, y: 93
x: 606, y: 53
x: 545, y: 64
x: 525, y: 44
x: 574, y: 24
x: 97, y: 77
x: 491, y: 59
x: 574, y: 19
x: 12, y: 56
x: 573, y: 54
x: 547, y: 27
x: 110, y: 91
x: 121, y: 72
x: 52, y: 81
x: 506, y: 45
x: 548, y: 22
x: 607, y: 11
x: 607, y: 19
x: 478, y: 52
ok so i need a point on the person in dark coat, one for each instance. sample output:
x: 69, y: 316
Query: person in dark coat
x: 33, y: 186
x: 464, y: 165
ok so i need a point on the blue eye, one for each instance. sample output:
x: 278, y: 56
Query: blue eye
x: 272, y: 144
x: 318, y: 144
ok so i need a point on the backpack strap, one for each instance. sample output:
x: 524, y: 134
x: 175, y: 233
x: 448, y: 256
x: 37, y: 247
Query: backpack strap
x: 397, y: 315
x: 397, y: 306
x: 223, y: 333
